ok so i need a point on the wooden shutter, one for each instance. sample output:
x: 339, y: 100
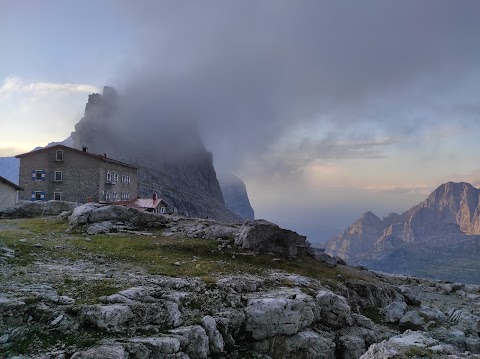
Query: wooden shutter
x: 44, y: 175
x: 42, y: 196
x: 33, y: 195
x: 34, y: 176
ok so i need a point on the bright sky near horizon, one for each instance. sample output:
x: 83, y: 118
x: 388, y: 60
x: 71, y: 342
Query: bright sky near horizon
x: 326, y: 109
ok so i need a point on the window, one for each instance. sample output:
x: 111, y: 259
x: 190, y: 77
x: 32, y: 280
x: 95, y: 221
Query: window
x: 39, y: 196
x: 128, y: 179
x: 109, y: 177
x: 115, y: 178
x: 59, y: 155
x: 127, y: 195
x: 123, y: 178
x: 58, y: 176
x: 38, y: 175
x: 114, y: 196
x: 162, y: 209
x: 107, y: 196
x: 57, y: 196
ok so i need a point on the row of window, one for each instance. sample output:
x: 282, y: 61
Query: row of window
x: 40, y: 175
x: 113, y: 178
x: 40, y: 196
x: 114, y: 196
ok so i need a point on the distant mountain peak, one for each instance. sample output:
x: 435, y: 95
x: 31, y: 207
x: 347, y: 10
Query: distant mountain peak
x: 451, y: 212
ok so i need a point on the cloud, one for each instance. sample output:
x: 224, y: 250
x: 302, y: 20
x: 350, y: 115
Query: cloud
x: 405, y: 188
x: 13, y: 85
x: 42, y: 112
x: 251, y: 72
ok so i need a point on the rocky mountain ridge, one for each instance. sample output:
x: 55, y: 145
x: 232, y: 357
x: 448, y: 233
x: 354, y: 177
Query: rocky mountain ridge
x: 94, y: 300
x: 447, y: 222
x: 172, y: 159
x: 236, y: 196
x: 187, y: 181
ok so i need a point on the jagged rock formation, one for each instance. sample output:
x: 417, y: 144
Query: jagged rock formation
x: 438, y: 237
x: 235, y: 196
x: 172, y: 159
x: 263, y: 236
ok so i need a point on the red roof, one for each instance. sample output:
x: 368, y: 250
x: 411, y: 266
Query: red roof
x: 99, y: 157
x: 4, y: 180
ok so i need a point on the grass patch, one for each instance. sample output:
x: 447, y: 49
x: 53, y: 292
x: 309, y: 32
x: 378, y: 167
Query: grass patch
x: 38, y: 340
x: 87, y: 292
x: 374, y: 314
x: 172, y: 256
x: 43, y: 225
x: 417, y: 352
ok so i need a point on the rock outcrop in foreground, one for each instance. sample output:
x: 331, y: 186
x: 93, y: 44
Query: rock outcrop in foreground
x: 438, y: 238
x: 73, y: 295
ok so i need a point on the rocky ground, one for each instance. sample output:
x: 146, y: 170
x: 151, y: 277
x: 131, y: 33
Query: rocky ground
x: 167, y: 287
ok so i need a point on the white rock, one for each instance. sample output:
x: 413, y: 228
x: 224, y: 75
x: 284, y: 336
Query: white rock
x: 160, y: 345
x: 108, y: 317
x: 278, y: 314
x: 398, y: 346
x: 394, y: 311
x: 335, y: 310
x: 193, y: 340
x: 57, y: 320
x: 102, y: 352
x: 216, y: 342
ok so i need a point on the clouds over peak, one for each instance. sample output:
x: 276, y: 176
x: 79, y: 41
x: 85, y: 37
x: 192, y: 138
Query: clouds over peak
x: 15, y: 85
x: 46, y: 111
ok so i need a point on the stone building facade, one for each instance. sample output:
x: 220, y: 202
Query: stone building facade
x: 64, y: 173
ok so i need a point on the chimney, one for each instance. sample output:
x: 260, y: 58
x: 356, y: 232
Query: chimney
x: 105, y: 155
x: 84, y: 149
x: 154, y: 196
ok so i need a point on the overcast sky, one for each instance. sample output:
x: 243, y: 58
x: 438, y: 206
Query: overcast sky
x: 326, y: 109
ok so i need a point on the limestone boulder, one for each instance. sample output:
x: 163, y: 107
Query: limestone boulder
x: 111, y: 318
x: 113, y: 351
x: 193, y: 340
x: 81, y: 214
x: 394, y: 312
x: 335, y: 310
x: 30, y: 209
x: 418, y: 343
x: 325, y: 258
x: 110, y: 213
x: 152, y: 346
x: 413, y: 320
x: 215, y: 338
x: 306, y: 344
x: 278, y: 314
x: 100, y: 228
x: 266, y: 237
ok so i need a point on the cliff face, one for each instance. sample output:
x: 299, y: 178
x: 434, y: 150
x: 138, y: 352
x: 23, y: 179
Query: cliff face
x: 357, y: 238
x: 172, y: 159
x: 235, y: 196
x: 440, y: 232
